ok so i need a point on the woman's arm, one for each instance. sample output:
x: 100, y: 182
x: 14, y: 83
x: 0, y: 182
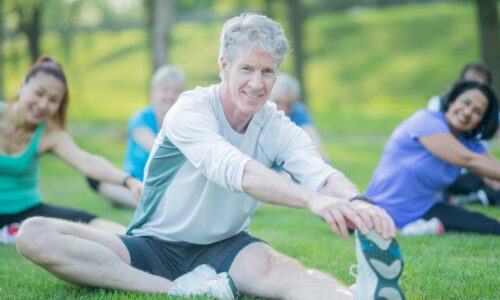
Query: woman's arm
x: 93, y: 166
x: 145, y: 137
x: 448, y: 148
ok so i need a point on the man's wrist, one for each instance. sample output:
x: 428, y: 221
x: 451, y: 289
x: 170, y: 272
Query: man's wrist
x: 360, y: 197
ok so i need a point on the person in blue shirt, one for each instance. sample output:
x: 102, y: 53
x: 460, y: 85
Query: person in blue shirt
x: 425, y: 154
x: 167, y: 84
x: 286, y: 93
x: 470, y: 187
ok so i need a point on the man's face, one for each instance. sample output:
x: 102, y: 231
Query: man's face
x: 475, y: 75
x: 249, y: 78
x: 165, y: 95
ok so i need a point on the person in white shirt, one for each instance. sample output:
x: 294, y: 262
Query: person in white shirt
x: 209, y: 166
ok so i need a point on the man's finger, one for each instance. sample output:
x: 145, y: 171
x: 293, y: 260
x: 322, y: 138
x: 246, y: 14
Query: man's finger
x: 355, y: 218
x: 339, y: 219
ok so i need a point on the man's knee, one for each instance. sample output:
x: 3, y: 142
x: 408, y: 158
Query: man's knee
x: 31, y: 240
x: 263, y: 271
x: 275, y: 264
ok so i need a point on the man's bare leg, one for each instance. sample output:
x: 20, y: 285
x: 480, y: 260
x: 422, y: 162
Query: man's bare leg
x: 81, y: 254
x: 260, y: 270
x: 108, y: 225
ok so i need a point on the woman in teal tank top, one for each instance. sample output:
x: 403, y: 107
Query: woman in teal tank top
x: 32, y: 125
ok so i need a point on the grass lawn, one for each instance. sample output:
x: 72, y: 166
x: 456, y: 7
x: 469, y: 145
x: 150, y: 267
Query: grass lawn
x: 455, y: 266
x: 366, y: 71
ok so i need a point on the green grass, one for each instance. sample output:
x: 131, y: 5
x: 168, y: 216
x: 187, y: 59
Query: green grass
x: 454, y: 266
x: 366, y: 71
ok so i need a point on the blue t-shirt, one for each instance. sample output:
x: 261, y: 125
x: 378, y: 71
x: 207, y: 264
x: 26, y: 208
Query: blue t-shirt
x: 409, y: 179
x: 300, y: 115
x: 135, y: 155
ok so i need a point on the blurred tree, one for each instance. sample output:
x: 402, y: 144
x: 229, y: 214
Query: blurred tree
x: 161, y: 15
x: 268, y: 8
x: 67, y: 22
x: 30, y: 17
x: 296, y: 22
x: 489, y: 37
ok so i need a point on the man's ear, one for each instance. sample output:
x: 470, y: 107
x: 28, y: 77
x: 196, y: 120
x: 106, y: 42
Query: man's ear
x: 222, y: 67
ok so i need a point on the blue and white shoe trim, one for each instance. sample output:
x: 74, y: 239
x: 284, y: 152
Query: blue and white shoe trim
x: 386, y: 260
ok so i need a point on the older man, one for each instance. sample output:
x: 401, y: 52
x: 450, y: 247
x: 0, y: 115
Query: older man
x: 208, y: 167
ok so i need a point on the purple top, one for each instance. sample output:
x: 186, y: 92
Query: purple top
x: 409, y: 179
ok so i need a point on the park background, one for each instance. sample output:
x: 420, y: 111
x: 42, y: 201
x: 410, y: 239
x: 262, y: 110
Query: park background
x: 366, y: 65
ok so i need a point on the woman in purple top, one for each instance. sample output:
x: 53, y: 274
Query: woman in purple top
x: 425, y: 153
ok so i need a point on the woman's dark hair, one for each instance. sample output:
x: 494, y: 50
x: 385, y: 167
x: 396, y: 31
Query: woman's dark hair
x: 477, y: 67
x: 488, y: 126
x: 48, y: 65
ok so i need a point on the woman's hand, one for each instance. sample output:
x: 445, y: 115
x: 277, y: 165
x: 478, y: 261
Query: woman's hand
x: 135, y: 186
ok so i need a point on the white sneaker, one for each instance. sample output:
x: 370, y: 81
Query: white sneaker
x: 481, y: 195
x: 204, y: 281
x: 473, y: 197
x: 8, y: 233
x: 423, y: 227
x: 380, y: 264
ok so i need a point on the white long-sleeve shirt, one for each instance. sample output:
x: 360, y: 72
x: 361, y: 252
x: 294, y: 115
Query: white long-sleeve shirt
x: 192, y: 188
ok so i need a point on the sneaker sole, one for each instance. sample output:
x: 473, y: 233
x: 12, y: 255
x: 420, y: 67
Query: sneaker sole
x: 386, y: 261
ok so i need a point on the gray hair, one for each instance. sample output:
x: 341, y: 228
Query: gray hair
x: 286, y: 84
x: 168, y: 72
x: 250, y: 29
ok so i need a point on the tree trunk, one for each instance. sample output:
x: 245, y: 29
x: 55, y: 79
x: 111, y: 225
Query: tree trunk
x: 1, y: 48
x: 489, y: 38
x: 268, y: 8
x: 30, y: 17
x: 162, y: 14
x: 67, y: 30
x: 296, y: 23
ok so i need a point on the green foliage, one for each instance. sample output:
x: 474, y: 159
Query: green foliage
x: 369, y: 69
x: 365, y: 71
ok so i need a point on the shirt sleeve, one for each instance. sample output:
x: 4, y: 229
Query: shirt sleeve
x: 425, y: 122
x: 191, y: 125
x: 138, y: 120
x: 300, y: 115
x: 299, y: 157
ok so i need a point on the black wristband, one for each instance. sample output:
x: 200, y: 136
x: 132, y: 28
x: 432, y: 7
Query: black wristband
x: 124, y: 182
x: 361, y: 197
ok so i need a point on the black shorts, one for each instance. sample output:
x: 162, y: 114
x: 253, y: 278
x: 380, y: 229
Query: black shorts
x: 93, y: 184
x: 173, y: 259
x: 46, y: 210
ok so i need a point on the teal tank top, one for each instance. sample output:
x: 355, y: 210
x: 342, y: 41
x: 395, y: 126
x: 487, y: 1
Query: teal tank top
x: 19, y: 176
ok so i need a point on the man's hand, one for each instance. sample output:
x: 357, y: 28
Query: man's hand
x: 375, y: 217
x: 341, y: 214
